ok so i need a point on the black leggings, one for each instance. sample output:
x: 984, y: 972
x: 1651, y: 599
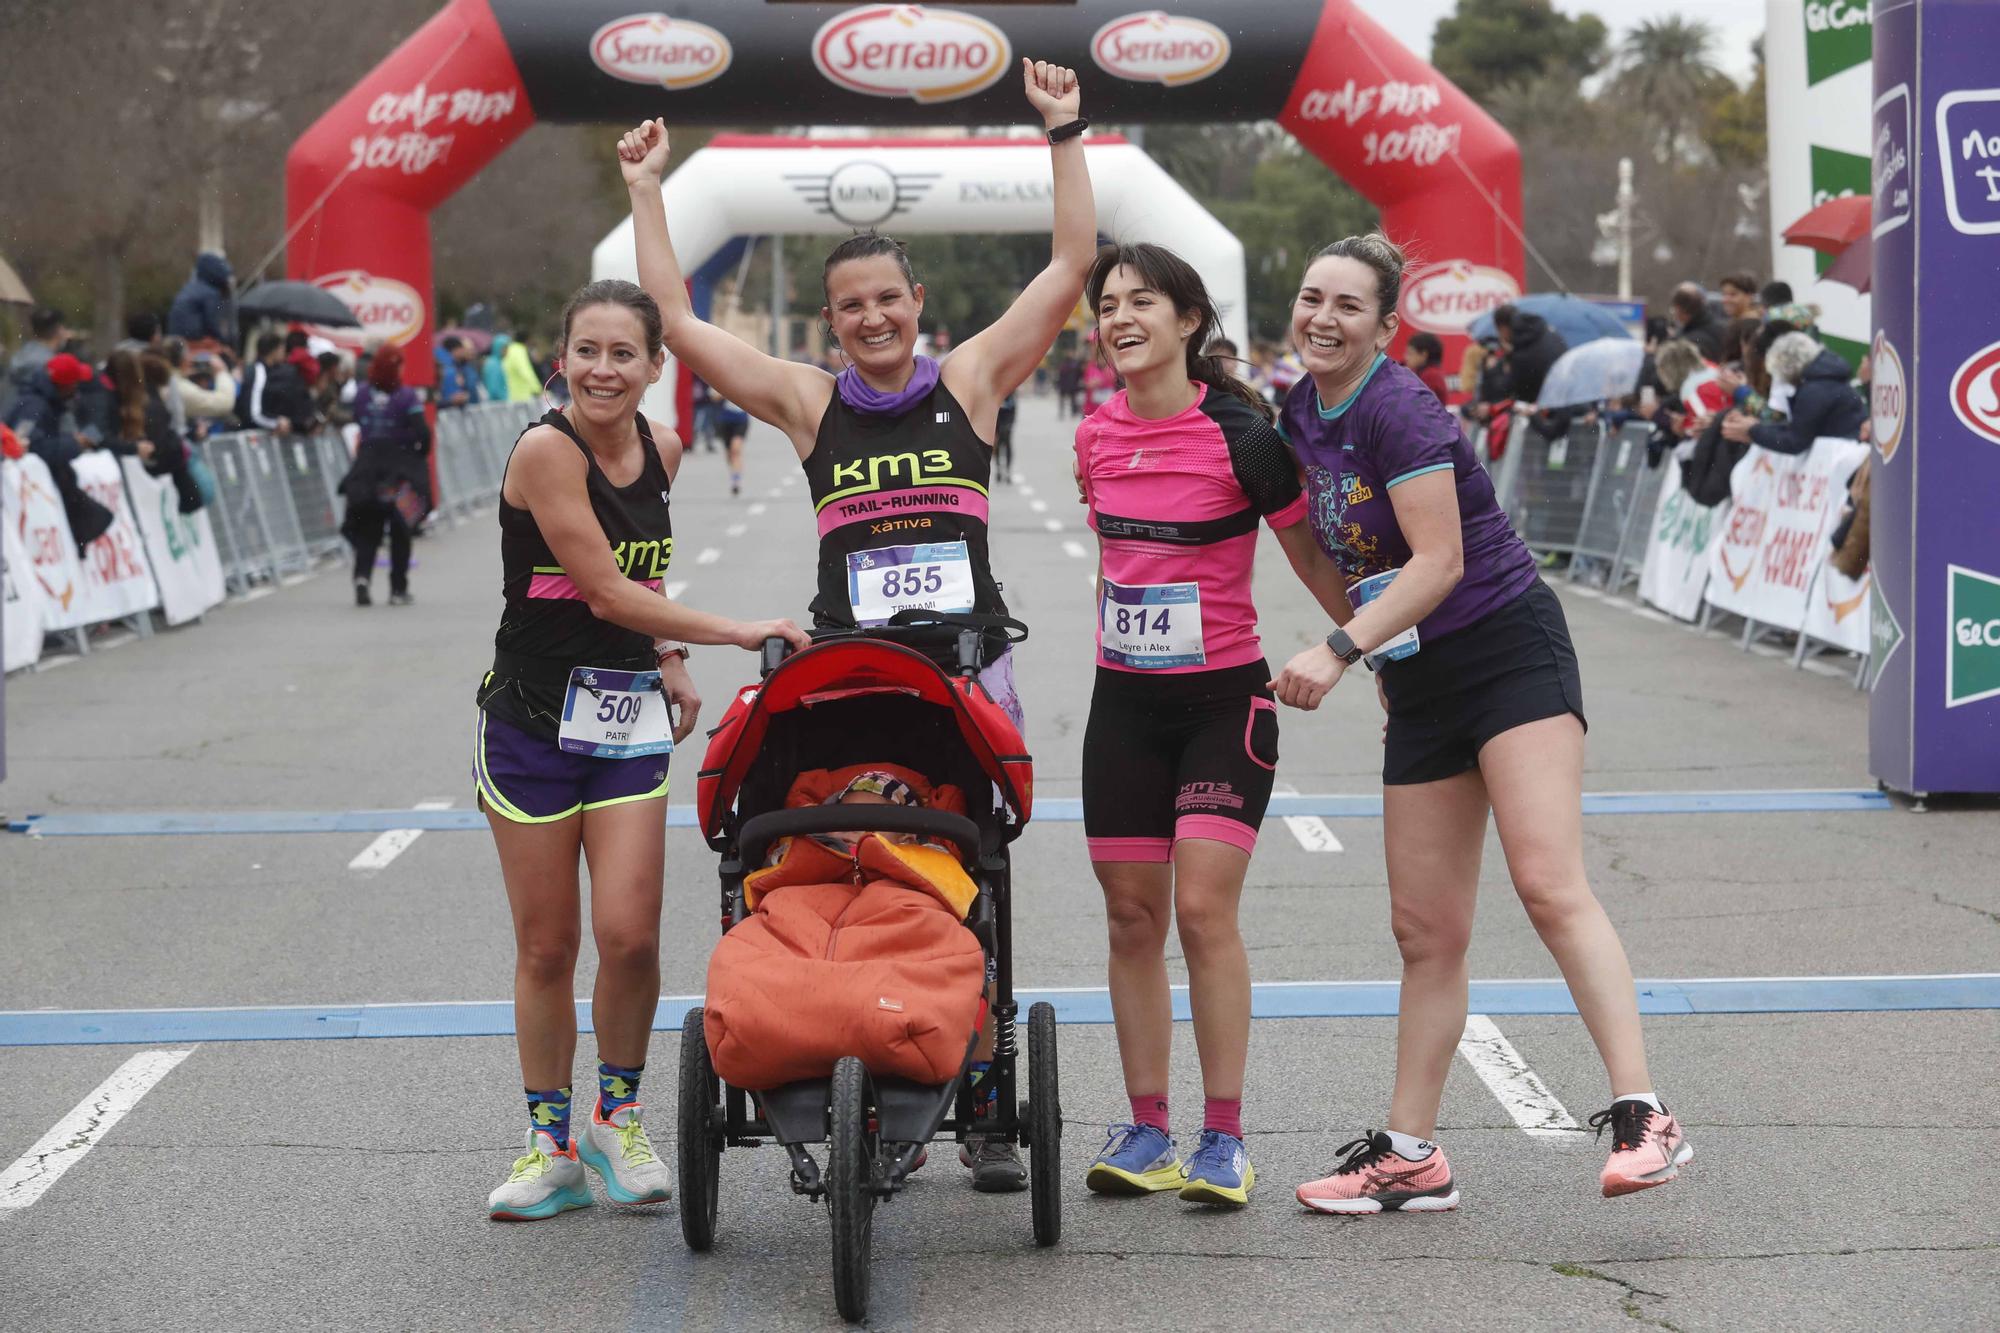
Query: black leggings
x: 364, y: 529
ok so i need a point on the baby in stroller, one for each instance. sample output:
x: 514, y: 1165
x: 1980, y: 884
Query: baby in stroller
x: 855, y: 945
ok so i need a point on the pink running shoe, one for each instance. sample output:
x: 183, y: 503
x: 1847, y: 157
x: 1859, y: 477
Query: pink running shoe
x: 1647, y: 1147
x: 1373, y: 1178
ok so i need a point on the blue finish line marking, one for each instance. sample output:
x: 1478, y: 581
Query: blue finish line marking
x: 1286, y: 999
x: 1056, y: 810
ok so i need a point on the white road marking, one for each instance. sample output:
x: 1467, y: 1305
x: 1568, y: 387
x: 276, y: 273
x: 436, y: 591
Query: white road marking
x: 78, y: 1132
x: 1313, y: 833
x: 757, y: 510
x: 736, y: 529
x: 1039, y: 506
x: 1074, y: 550
x: 709, y: 555
x: 1053, y: 525
x: 392, y: 843
x: 1534, y: 1108
x: 1582, y: 590
x: 675, y: 589
x: 1024, y: 488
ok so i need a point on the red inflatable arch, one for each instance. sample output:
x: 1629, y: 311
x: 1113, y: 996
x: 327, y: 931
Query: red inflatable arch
x: 361, y: 183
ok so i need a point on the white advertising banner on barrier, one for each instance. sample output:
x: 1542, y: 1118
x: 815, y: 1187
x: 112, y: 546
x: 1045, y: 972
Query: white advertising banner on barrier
x: 116, y: 579
x: 186, y: 564
x: 1680, y: 547
x: 21, y: 597
x: 34, y: 512
x: 1775, y: 540
x: 1837, y: 609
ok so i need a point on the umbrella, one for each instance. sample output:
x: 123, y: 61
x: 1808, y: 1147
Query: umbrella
x: 481, y: 339
x: 1577, y: 320
x: 1833, y: 226
x: 12, y: 290
x: 298, y: 301
x: 1606, y: 368
x: 1855, y: 266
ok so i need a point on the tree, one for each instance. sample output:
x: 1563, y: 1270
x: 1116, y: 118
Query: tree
x: 1733, y: 126
x: 1489, y: 44
x: 1665, y: 68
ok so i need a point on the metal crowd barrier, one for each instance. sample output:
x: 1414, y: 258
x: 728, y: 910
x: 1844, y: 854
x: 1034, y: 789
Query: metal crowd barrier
x: 1548, y: 485
x: 278, y: 507
x: 1623, y: 491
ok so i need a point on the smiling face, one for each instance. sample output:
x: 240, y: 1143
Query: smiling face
x: 873, y: 311
x: 606, y: 364
x: 1337, y: 322
x: 1138, y: 327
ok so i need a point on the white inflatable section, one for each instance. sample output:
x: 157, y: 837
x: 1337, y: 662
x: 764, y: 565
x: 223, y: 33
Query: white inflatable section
x: 833, y: 188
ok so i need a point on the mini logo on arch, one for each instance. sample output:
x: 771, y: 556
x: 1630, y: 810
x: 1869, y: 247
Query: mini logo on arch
x: 652, y: 48
x: 1975, y: 392
x: 390, y: 311
x: 1447, y: 297
x: 1155, y: 47
x: 926, y: 55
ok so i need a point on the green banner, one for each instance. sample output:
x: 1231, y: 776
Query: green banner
x: 1973, y: 671
x: 1834, y: 174
x: 1839, y: 35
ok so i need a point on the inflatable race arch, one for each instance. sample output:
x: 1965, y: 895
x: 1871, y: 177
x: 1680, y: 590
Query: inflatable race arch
x: 361, y: 182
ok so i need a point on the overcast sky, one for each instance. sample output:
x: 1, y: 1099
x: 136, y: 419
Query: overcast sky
x: 1736, y: 22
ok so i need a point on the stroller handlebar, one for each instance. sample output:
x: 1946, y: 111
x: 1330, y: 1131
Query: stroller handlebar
x: 760, y: 831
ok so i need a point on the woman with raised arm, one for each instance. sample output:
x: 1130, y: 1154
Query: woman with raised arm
x: 574, y: 735
x: 893, y: 432
x: 1485, y: 707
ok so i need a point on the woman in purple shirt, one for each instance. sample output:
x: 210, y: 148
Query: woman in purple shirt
x: 1485, y: 710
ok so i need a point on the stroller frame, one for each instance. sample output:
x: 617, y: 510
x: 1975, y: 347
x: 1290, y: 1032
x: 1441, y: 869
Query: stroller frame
x: 876, y: 1127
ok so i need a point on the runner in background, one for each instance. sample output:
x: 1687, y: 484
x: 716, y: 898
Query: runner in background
x: 897, y: 448
x: 573, y: 742
x: 1485, y: 711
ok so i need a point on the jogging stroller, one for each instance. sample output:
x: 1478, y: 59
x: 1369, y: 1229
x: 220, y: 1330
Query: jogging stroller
x: 806, y: 713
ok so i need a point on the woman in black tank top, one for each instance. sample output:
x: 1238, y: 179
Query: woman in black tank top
x: 898, y: 448
x: 563, y: 764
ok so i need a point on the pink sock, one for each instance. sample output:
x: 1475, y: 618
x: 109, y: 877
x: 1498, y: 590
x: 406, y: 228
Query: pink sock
x: 1151, y: 1109
x: 1225, y: 1114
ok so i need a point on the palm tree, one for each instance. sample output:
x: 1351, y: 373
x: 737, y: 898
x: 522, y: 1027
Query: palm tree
x: 1665, y: 67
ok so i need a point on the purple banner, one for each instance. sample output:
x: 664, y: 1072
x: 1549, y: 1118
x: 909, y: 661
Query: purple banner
x: 1934, y: 717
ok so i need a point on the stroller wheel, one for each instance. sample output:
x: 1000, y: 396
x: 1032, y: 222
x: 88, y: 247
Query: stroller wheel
x: 849, y: 1178
x: 1042, y: 1119
x: 700, y: 1146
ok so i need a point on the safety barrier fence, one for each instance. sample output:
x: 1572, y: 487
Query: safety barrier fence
x: 1762, y: 555
x: 274, y: 513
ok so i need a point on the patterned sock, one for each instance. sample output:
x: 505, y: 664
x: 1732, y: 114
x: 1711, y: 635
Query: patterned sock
x: 617, y: 1087
x: 1224, y: 1114
x: 1151, y: 1109
x: 548, y: 1111
x: 985, y: 1095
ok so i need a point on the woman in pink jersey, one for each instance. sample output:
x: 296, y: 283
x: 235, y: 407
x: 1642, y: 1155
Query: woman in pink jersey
x: 1178, y: 757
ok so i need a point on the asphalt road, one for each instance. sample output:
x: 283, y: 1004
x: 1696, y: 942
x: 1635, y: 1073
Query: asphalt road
x: 1840, y: 1183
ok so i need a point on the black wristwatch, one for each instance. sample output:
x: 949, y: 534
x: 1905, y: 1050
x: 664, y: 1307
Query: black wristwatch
x: 1343, y: 647
x: 1069, y: 130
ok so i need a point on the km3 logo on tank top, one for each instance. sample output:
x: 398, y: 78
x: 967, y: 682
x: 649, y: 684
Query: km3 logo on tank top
x: 901, y: 503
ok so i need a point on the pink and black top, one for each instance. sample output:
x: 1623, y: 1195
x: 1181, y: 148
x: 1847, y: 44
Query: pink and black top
x: 547, y: 628
x: 1175, y: 504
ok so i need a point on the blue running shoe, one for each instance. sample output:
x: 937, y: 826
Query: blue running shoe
x: 1219, y: 1171
x: 1137, y: 1159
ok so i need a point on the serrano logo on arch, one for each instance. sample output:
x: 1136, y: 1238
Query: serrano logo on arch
x: 926, y: 55
x: 389, y: 311
x: 1975, y: 392
x: 652, y: 48
x: 1447, y: 297
x: 1155, y: 47
x: 1888, y: 397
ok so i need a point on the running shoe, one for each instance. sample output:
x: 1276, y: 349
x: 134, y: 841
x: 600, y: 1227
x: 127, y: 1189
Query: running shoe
x: 1137, y: 1159
x: 1219, y: 1171
x: 547, y: 1181
x: 1647, y: 1147
x: 1373, y: 1178
x: 618, y: 1150
x: 401, y: 599
x: 996, y: 1163
x: 361, y: 594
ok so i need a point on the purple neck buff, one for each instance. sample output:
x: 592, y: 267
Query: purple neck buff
x: 862, y: 396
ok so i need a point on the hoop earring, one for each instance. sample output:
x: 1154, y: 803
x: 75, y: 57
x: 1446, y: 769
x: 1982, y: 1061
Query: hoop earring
x: 547, y: 401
